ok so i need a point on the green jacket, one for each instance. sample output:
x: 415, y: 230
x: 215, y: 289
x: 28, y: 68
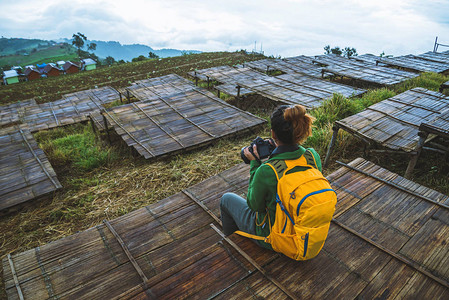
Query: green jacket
x: 263, y: 188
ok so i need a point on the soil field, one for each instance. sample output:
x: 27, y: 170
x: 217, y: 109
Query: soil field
x: 50, y: 89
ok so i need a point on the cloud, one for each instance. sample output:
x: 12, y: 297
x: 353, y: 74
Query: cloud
x: 285, y: 27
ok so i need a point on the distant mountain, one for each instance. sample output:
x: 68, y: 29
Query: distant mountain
x: 128, y: 52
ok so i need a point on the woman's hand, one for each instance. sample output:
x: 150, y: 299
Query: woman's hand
x: 249, y: 155
x: 272, y: 142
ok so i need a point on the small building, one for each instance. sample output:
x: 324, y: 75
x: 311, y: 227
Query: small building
x: 10, y: 77
x: 41, y: 67
x: 88, y: 64
x: 60, y: 64
x: 51, y: 70
x: 70, y: 68
x: 18, y: 69
x: 31, y: 73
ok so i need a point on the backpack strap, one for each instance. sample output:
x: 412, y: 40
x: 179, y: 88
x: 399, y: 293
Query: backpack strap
x: 251, y: 236
x: 279, y: 166
x: 310, y: 158
x: 255, y: 237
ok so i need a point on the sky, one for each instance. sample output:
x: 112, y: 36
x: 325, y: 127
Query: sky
x: 280, y: 28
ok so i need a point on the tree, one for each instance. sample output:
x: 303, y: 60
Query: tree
x: 79, y: 40
x: 109, y: 60
x: 336, y: 50
x: 348, y: 52
x: 91, y: 47
x: 152, y: 55
x: 139, y: 58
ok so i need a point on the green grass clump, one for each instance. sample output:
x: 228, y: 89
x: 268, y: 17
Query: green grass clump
x: 76, y: 147
x: 430, y: 81
x: 373, y: 96
x: 333, y: 109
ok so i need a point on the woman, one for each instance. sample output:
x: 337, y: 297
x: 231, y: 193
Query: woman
x: 290, y: 127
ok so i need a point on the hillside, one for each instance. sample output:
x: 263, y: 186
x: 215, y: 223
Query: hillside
x: 22, y: 52
x: 10, y: 46
x: 51, y: 53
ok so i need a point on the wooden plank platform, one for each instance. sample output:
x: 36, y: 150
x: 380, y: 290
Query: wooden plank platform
x: 287, y: 88
x: 438, y: 126
x: 368, y: 58
x: 12, y: 114
x: 174, y: 115
x: 419, y: 64
x: 435, y: 56
x: 287, y: 65
x: 394, y: 123
x: 362, y: 69
x: 72, y: 108
x: 25, y: 172
x: 386, y: 241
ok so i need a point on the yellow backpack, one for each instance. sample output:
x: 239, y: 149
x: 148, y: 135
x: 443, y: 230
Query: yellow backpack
x: 305, y: 206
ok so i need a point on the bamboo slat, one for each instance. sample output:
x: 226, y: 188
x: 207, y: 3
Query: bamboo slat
x: 394, y: 122
x: 362, y: 69
x: 288, y: 65
x: 174, y: 115
x: 438, y: 125
x: 420, y: 64
x: 25, y: 172
x: 72, y: 108
x: 181, y: 256
x: 287, y: 88
x: 12, y: 114
x: 435, y: 56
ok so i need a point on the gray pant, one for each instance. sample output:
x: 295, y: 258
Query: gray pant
x: 236, y: 215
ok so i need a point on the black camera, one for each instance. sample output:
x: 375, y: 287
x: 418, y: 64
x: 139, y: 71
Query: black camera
x: 264, y: 148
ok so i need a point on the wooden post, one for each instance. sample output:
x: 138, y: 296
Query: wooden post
x: 435, y: 46
x: 322, y: 73
x: 196, y: 79
x: 238, y: 91
x: 92, y: 123
x: 105, y: 121
x: 411, y: 165
x: 208, y: 81
x: 121, y: 99
x: 218, y: 93
x: 127, y: 96
x: 335, y: 129
x: 268, y: 68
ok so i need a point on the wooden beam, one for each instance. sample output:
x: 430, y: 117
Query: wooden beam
x: 127, y: 252
x: 14, y: 274
x: 254, y: 263
x: 395, y: 185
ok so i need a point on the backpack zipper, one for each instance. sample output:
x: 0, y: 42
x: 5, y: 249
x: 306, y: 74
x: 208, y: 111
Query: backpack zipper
x: 311, y: 194
x: 306, y: 243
